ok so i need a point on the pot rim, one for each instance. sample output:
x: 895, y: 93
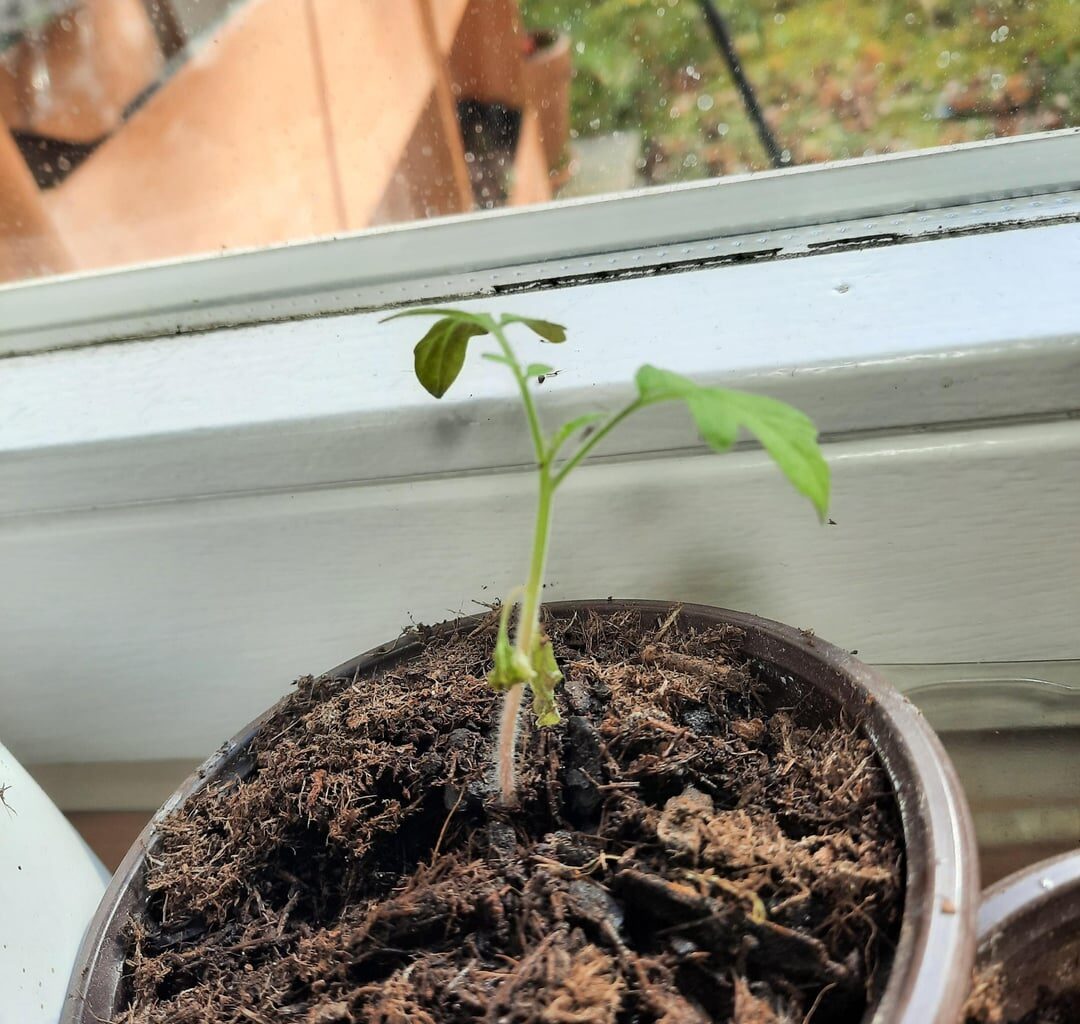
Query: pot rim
x: 928, y: 979
x: 1030, y: 892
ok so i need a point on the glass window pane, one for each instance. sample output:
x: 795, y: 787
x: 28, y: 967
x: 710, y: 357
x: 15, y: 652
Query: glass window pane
x: 134, y: 131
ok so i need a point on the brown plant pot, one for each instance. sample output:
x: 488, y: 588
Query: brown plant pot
x: 547, y: 82
x: 1029, y: 924
x: 928, y: 980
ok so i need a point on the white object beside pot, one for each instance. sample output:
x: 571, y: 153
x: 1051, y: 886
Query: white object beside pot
x: 50, y: 885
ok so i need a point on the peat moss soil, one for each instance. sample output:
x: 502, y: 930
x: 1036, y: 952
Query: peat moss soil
x: 684, y: 851
x: 986, y: 1003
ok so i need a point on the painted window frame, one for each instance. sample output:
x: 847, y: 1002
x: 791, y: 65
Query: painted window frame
x: 773, y: 214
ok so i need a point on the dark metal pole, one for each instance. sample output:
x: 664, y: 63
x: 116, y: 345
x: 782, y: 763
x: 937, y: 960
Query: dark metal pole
x: 722, y: 36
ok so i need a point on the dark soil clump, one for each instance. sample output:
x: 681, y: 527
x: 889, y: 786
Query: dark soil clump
x: 685, y: 851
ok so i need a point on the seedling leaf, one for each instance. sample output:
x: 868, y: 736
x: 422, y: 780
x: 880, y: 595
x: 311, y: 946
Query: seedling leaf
x: 449, y: 314
x: 543, y: 684
x: 788, y: 435
x: 545, y: 329
x: 440, y: 354
x: 538, y: 370
x: 567, y: 430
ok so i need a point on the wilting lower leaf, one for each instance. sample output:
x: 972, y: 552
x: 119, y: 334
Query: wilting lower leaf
x: 440, y: 354
x: 787, y: 434
x: 544, y: 682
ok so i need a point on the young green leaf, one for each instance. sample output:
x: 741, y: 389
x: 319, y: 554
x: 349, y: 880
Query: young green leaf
x: 538, y: 370
x: 545, y: 329
x: 567, y: 430
x: 788, y: 435
x: 440, y: 354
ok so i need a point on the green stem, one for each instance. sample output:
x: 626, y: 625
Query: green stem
x: 567, y: 467
x: 531, y: 414
x: 527, y: 627
x: 529, y: 618
x: 530, y: 601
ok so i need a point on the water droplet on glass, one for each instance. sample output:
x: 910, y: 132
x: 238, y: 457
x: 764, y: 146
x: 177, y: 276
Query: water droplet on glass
x: 40, y: 79
x: 594, y: 124
x: 579, y: 46
x: 943, y: 59
x: 705, y: 102
x: 910, y: 19
x: 997, y: 80
x: 779, y: 19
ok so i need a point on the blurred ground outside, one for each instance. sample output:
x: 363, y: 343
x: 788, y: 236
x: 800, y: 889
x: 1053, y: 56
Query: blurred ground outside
x: 837, y: 78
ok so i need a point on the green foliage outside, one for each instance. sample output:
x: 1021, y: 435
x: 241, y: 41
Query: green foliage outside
x: 837, y: 78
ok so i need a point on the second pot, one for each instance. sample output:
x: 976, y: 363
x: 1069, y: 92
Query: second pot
x: 1029, y: 931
